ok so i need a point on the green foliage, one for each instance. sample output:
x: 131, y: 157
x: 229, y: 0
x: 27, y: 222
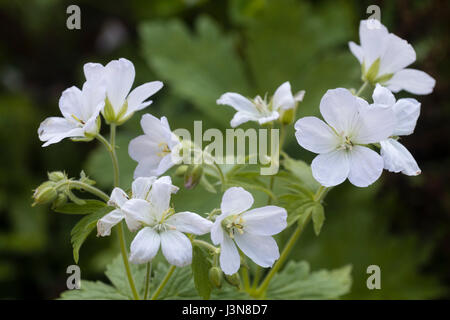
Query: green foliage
x: 296, y: 281
x: 90, y: 206
x: 200, y: 271
x: 84, y: 227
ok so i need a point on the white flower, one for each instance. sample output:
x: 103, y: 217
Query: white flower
x: 396, y: 157
x: 259, y: 109
x: 251, y: 230
x: 156, y: 150
x: 384, y: 57
x: 141, y: 189
x: 118, y: 77
x: 340, y: 143
x: 80, y: 110
x: 162, y: 227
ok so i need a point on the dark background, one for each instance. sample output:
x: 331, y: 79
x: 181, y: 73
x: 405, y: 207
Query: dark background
x: 201, y: 49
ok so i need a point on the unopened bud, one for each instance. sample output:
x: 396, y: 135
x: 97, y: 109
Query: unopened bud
x: 61, y: 199
x: 216, y: 276
x: 234, y: 279
x: 192, y: 176
x: 56, y: 176
x: 45, y: 193
x: 181, y: 170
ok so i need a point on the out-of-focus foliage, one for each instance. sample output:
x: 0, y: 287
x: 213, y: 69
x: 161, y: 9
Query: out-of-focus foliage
x: 201, y: 49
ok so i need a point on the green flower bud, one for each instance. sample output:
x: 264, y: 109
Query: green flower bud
x: 61, y: 199
x: 181, y: 170
x: 192, y: 176
x: 216, y: 276
x: 45, y: 193
x: 56, y: 176
x: 234, y: 279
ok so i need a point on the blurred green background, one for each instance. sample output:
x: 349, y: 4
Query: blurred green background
x: 201, y: 49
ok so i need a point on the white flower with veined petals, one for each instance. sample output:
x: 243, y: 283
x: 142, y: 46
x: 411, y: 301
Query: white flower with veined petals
x: 260, y: 109
x: 80, y: 110
x: 141, y: 189
x: 396, y: 157
x: 118, y: 77
x: 394, y: 55
x: 340, y: 143
x: 251, y: 230
x: 162, y: 227
x: 156, y: 151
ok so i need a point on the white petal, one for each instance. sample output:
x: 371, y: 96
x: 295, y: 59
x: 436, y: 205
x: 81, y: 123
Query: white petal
x: 119, y: 79
x: 118, y: 198
x: 189, y: 222
x: 374, y: 39
x: 263, y: 250
x: 145, y: 246
x: 230, y: 261
x: 283, y: 98
x: 356, y: 51
x: 236, y: 200
x: 376, y: 123
x: 54, y: 129
x: 339, y: 108
x: 411, y: 80
x: 94, y: 72
x: 274, y: 115
x: 315, y: 135
x: 398, y: 55
x: 217, y: 232
x: 177, y: 248
x: 398, y: 159
x: 160, y: 195
x: 157, y: 129
x: 144, y: 148
x: 366, y: 166
x: 108, y: 221
x: 407, y: 112
x: 382, y: 95
x: 138, y: 212
x: 139, y: 94
x: 265, y: 221
x: 165, y: 164
x: 71, y: 104
x: 141, y: 187
x: 147, y: 168
x: 332, y: 168
x: 238, y: 102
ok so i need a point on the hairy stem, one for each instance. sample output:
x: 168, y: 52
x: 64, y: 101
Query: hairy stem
x: 361, y: 89
x: 147, y: 280
x: 163, y: 283
x: 86, y: 187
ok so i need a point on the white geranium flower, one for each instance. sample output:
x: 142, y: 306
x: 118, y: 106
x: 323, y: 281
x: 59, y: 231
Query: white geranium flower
x: 140, y: 189
x: 118, y: 77
x: 80, y: 110
x: 251, y: 230
x: 384, y: 58
x: 396, y: 157
x: 259, y: 109
x: 161, y: 226
x: 340, y: 143
x: 156, y: 150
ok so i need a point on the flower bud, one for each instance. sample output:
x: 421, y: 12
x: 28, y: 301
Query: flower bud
x: 192, y: 176
x: 61, y: 199
x: 56, y: 176
x: 216, y: 276
x: 45, y: 193
x: 234, y: 279
x: 181, y: 170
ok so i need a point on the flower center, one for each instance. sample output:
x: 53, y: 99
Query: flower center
x: 233, y: 224
x: 261, y: 105
x: 164, y: 150
x: 346, y: 143
x: 77, y: 119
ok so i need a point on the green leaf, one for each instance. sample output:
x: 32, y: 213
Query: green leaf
x: 179, y: 287
x: 89, y: 206
x: 204, y: 182
x: 83, y: 228
x: 199, y: 66
x: 91, y: 290
x: 318, y: 217
x: 296, y: 281
x: 200, y: 269
x: 302, y: 171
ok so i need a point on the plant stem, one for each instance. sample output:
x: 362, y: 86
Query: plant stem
x: 288, y: 247
x: 163, y: 283
x: 245, y: 278
x: 111, y: 147
x: 147, y: 280
x: 221, y: 175
x: 87, y: 187
x: 361, y: 89
x: 206, y: 245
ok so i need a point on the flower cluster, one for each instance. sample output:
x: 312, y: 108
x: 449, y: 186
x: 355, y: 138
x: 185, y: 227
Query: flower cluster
x: 346, y: 142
